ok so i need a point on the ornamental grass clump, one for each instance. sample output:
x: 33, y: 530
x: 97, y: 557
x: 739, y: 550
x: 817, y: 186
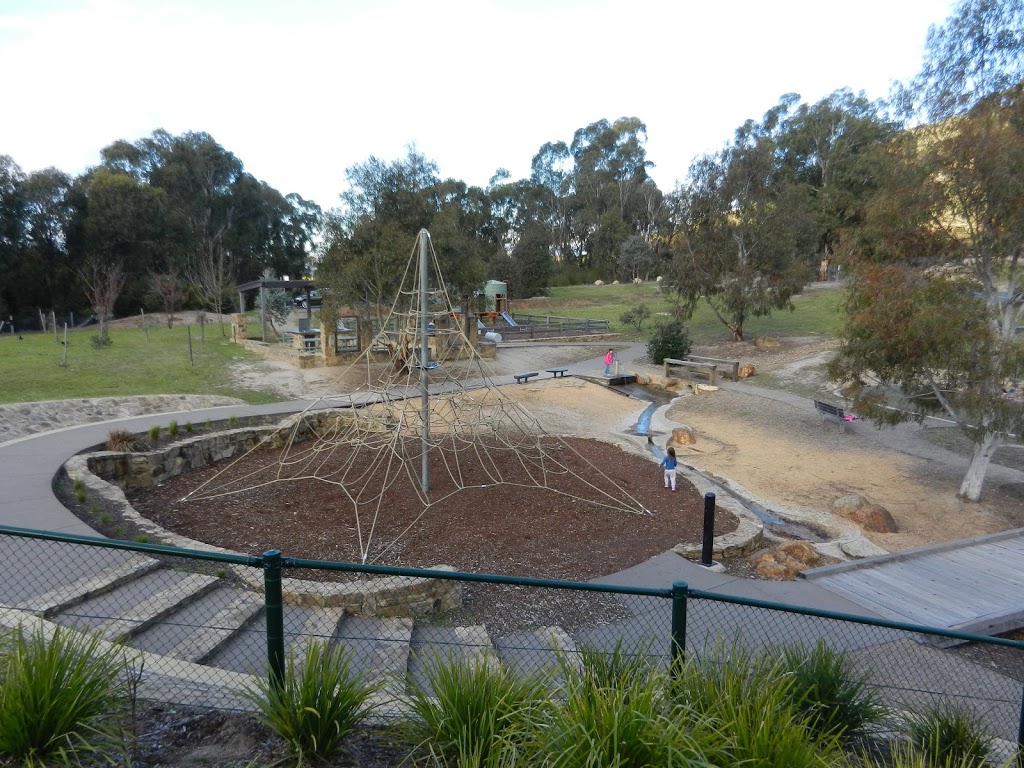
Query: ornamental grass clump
x: 947, y: 732
x: 317, y: 705
x: 614, y: 711
x: 123, y: 441
x: 61, y: 698
x: 475, y: 714
x: 832, y: 698
x: 749, y: 702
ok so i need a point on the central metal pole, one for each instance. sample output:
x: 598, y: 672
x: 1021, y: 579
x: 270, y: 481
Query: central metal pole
x: 424, y: 357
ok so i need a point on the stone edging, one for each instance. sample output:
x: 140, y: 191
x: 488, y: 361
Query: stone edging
x: 107, y: 473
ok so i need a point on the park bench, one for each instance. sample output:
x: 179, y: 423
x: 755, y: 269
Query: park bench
x: 833, y: 412
x: 692, y: 367
x: 522, y: 378
x: 730, y: 368
x: 557, y: 372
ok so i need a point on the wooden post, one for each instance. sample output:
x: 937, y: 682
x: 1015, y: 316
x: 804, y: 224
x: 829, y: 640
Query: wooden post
x: 144, y: 328
x: 53, y: 321
x: 191, y: 361
x: 65, y: 363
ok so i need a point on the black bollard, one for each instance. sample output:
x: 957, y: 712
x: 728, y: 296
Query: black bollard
x: 709, y: 529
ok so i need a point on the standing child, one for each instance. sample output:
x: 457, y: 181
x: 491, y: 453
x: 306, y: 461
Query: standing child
x: 669, y: 463
x: 609, y: 358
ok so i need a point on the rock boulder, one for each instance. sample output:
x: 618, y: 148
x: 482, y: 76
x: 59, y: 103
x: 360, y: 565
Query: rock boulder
x: 746, y: 371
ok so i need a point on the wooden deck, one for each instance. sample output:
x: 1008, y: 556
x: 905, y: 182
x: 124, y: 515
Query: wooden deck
x: 974, y: 585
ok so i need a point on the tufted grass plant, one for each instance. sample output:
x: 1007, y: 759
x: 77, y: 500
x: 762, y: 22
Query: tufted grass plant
x: 123, y: 441
x: 833, y: 699
x: 154, y: 434
x: 749, y: 699
x: 319, y: 703
x: 172, y: 429
x: 475, y: 714
x: 948, y: 732
x: 614, y: 712
x: 908, y: 756
x: 60, y: 698
x: 80, y: 491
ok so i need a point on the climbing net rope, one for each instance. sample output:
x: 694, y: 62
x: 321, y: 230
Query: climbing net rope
x: 427, y: 415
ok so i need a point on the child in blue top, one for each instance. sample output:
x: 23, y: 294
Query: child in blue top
x: 669, y: 463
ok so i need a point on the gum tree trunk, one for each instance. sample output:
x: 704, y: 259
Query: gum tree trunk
x: 970, y: 488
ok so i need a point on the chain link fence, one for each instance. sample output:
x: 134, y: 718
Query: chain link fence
x: 199, y: 626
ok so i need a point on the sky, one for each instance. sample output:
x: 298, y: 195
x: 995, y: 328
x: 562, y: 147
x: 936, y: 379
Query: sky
x: 300, y: 90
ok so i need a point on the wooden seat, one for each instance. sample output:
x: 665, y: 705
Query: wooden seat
x: 557, y: 372
x: 522, y: 378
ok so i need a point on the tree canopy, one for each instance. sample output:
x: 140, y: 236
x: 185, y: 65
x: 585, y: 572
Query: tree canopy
x: 938, y: 295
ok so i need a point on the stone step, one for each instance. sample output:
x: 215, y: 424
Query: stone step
x: 206, y: 640
x: 476, y: 646
x: 319, y: 626
x: 562, y: 643
x: 391, y: 660
x: 155, y: 607
x: 100, y: 583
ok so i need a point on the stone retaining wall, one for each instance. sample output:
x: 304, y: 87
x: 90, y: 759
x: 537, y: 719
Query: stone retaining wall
x: 20, y: 419
x: 108, y: 473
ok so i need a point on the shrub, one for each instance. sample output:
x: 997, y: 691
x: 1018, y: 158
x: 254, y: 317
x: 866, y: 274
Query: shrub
x: 832, y: 698
x: 154, y: 433
x: 946, y: 733
x: 172, y: 429
x: 232, y: 421
x: 59, y: 698
x: 100, y: 342
x: 636, y: 316
x: 123, y: 441
x: 669, y: 339
x: 318, y: 704
x: 474, y: 713
x: 188, y: 426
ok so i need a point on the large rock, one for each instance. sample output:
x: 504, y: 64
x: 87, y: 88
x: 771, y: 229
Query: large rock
x: 871, y: 517
x: 874, y: 518
x: 682, y: 436
x: 766, y: 342
x: 746, y: 371
x: 847, y: 505
x: 801, y: 551
x: 776, y: 565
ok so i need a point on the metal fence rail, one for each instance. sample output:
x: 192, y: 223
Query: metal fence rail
x: 209, y: 621
x: 549, y: 327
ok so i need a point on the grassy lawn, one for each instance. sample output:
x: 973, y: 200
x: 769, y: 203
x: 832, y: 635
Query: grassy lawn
x: 30, y: 368
x: 818, y: 312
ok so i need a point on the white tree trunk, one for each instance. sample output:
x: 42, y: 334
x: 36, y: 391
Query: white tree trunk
x: 970, y: 488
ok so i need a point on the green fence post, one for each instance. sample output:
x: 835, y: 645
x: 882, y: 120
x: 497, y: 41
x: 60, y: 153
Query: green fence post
x: 680, y: 591
x: 274, y: 614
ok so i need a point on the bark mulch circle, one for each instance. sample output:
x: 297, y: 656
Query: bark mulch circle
x: 500, y: 529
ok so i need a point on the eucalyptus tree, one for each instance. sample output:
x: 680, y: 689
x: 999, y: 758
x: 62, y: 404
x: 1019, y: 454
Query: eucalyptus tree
x: 12, y: 216
x: 115, y: 235
x: 745, y: 235
x: 936, y: 304
x: 598, y: 192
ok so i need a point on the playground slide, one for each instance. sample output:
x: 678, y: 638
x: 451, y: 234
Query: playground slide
x: 480, y: 326
x: 508, y: 319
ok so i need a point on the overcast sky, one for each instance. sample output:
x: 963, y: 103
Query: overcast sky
x: 300, y: 90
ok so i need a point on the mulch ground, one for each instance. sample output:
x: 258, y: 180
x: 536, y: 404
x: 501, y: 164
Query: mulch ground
x: 503, y: 529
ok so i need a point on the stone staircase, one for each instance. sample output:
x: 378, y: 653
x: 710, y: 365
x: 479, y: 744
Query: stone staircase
x: 210, y: 621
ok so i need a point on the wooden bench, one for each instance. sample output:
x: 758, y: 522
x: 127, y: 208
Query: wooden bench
x: 707, y: 369
x: 522, y: 378
x: 730, y: 368
x: 833, y: 412
x: 557, y: 372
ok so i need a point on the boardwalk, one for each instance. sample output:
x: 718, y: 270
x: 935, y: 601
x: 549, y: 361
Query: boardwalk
x: 974, y: 585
